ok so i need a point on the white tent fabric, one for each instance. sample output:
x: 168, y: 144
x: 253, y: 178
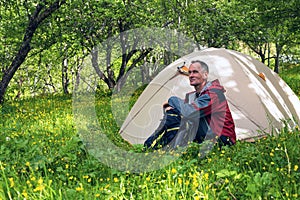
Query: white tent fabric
x: 258, y: 106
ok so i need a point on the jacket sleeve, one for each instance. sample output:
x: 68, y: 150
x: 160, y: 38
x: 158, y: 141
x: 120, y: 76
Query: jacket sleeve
x: 200, y: 108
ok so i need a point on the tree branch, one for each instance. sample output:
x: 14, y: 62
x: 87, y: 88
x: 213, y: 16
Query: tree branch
x: 34, y: 21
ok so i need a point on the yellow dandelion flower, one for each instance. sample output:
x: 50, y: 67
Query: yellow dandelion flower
x: 67, y: 166
x: 27, y: 164
x: 187, y: 182
x: 148, y: 178
x: 39, y: 188
x: 271, y: 154
x: 195, y: 184
x: 97, y: 195
x: 296, y: 167
x: 40, y: 181
x: 86, y: 176
x: 206, y: 175
x: 272, y: 163
x: 11, y: 181
x: 116, y: 180
x: 24, y: 193
x: 173, y: 170
x: 196, y: 198
x: 179, y: 181
x: 80, y: 188
x: 1, y: 167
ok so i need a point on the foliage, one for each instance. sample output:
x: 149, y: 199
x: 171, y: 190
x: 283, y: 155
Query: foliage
x: 267, y: 28
x: 60, y: 43
x: 43, y: 158
x: 291, y: 75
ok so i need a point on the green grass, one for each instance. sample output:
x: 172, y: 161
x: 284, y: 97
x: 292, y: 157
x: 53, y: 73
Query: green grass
x: 291, y: 75
x: 43, y: 158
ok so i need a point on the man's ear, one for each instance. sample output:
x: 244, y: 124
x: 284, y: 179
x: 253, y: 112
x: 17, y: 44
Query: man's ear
x: 205, y: 75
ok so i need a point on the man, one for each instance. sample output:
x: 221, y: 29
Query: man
x: 206, y: 108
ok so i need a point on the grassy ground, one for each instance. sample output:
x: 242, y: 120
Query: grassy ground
x: 42, y: 157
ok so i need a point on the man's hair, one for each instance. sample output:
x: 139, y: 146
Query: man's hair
x: 204, y: 66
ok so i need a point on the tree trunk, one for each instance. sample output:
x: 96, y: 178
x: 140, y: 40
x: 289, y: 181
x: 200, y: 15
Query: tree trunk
x: 35, y: 20
x: 108, y: 80
x: 9, y: 73
x: 278, y: 51
x: 64, y: 76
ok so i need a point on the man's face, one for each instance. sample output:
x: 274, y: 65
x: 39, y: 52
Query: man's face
x: 197, y: 75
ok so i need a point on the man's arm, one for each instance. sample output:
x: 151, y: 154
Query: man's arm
x: 200, y: 108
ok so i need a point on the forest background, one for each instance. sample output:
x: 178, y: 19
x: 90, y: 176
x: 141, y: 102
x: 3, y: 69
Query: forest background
x: 44, y: 43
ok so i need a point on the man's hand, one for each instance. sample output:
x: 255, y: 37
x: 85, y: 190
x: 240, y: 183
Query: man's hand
x: 166, y: 106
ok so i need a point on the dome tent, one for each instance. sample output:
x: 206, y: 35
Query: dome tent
x: 260, y: 101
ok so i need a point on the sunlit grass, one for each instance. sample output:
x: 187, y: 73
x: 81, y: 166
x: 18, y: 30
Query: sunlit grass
x: 42, y: 157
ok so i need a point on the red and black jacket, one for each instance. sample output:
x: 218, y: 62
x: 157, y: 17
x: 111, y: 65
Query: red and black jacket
x: 210, y: 103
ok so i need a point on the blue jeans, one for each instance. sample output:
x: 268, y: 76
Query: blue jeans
x: 172, y: 122
x: 166, y: 130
